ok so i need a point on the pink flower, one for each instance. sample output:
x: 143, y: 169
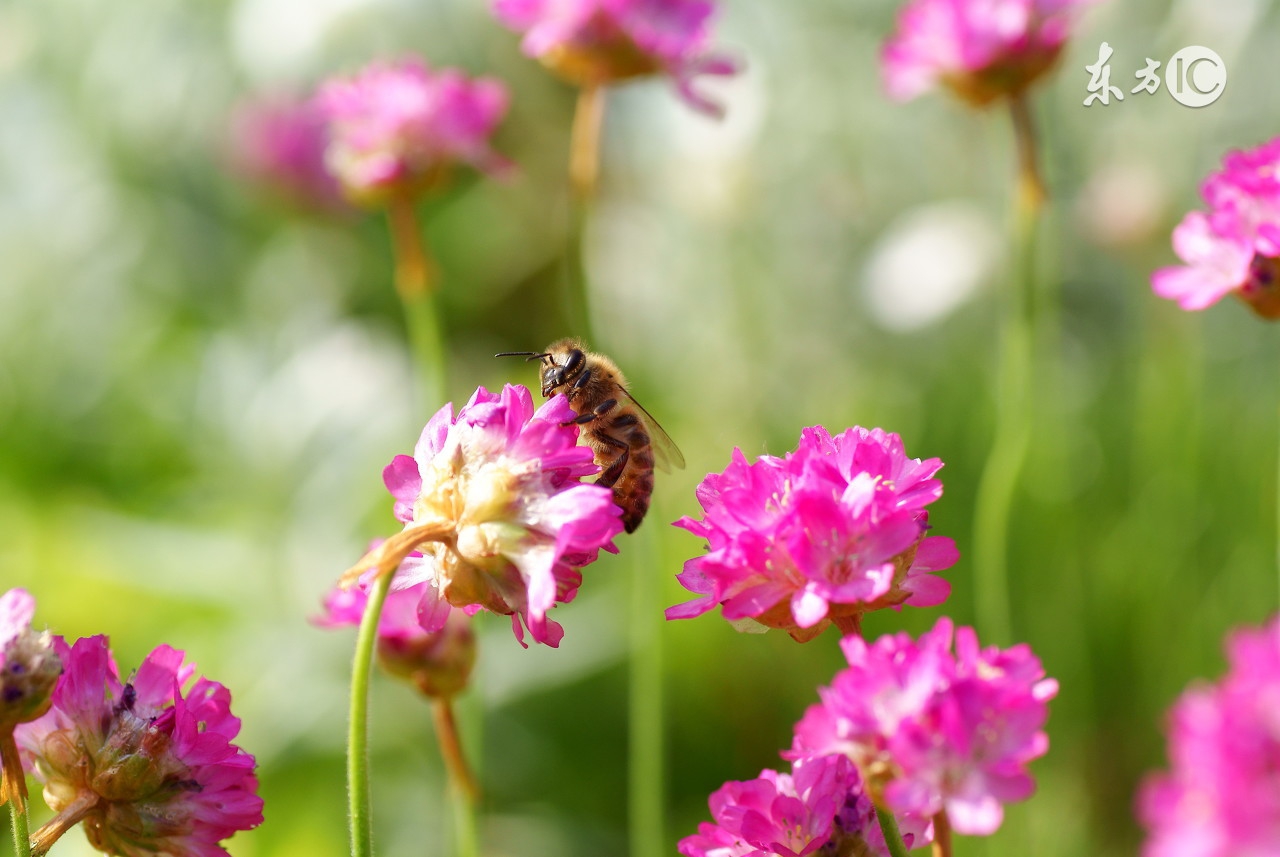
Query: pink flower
x: 438, y: 663
x: 980, y: 49
x: 834, y: 530
x: 399, y: 129
x: 279, y: 142
x: 933, y: 731
x: 1235, y: 247
x: 821, y: 803
x: 1220, y: 798
x: 148, y: 767
x: 29, y: 665
x: 595, y: 42
x: 492, y: 499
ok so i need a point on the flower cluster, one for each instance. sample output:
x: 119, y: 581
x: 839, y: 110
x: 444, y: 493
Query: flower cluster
x: 147, y: 766
x: 933, y: 731
x: 280, y: 142
x: 831, y: 531
x: 437, y: 663
x: 980, y: 49
x: 29, y: 664
x: 1220, y: 798
x: 1234, y: 247
x: 820, y: 807
x: 492, y: 500
x: 597, y: 42
x: 398, y: 129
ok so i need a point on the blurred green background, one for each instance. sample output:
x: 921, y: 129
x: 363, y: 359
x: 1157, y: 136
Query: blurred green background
x: 199, y: 387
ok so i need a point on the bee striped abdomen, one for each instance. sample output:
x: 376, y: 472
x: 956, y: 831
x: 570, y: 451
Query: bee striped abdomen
x: 634, y: 488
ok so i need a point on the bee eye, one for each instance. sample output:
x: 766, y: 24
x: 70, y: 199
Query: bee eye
x: 575, y: 360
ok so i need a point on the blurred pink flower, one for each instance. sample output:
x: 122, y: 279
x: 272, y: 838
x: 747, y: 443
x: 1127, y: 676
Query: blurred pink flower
x: 398, y: 129
x: 279, y: 142
x: 933, y: 731
x: 438, y: 662
x: 1234, y: 248
x: 148, y: 767
x: 29, y: 664
x: 595, y: 42
x: 1220, y: 798
x: 834, y: 530
x: 504, y: 482
x: 818, y: 808
x: 980, y: 49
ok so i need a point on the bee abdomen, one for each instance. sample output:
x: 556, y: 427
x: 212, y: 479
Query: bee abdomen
x: 634, y: 489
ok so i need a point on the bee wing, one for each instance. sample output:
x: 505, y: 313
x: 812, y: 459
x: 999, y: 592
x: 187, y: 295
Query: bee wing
x: 666, y: 454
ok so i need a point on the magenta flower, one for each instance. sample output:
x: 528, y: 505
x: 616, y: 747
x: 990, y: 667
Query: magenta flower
x: 399, y: 129
x: 834, y: 530
x: 1220, y: 798
x: 492, y: 499
x: 596, y: 42
x: 931, y: 731
x: 149, y: 767
x: 980, y: 49
x: 29, y: 664
x: 1234, y: 248
x: 279, y: 143
x: 438, y: 663
x: 818, y: 808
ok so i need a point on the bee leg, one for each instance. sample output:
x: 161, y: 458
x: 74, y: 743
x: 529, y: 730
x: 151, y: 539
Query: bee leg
x: 614, y: 470
x: 600, y: 410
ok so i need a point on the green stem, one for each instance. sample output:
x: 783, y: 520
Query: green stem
x: 358, y: 737
x: 1014, y: 413
x: 13, y: 787
x: 584, y: 174
x: 892, y: 838
x: 645, y: 776
x: 416, y: 278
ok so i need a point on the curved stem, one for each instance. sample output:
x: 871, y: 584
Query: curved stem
x: 71, y: 815
x: 464, y: 792
x: 941, y: 835
x: 455, y: 761
x: 415, y: 283
x: 892, y: 837
x: 1032, y: 193
x: 584, y: 142
x: 358, y: 736
x: 584, y: 175
x: 1015, y: 402
x: 13, y: 788
x: 646, y: 782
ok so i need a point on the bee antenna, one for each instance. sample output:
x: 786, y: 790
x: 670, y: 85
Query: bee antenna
x: 527, y: 355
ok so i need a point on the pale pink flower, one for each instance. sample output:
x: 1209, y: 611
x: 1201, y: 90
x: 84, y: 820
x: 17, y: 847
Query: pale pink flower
x: 399, y: 129
x: 503, y: 482
x: 595, y: 42
x: 1234, y: 248
x: 279, y: 142
x: 1221, y: 797
x: 818, y: 808
x: 147, y: 765
x: 833, y: 530
x: 29, y: 665
x: 931, y: 730
x: 980, y: 49
x: 438, y: 662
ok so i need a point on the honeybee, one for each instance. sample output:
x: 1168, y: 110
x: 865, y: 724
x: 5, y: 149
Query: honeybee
x: 626, y: 440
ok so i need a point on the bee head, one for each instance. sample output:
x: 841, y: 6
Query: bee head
x: 561, y: 369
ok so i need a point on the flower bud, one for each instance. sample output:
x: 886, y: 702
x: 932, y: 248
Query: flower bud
x: 29, y: 666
